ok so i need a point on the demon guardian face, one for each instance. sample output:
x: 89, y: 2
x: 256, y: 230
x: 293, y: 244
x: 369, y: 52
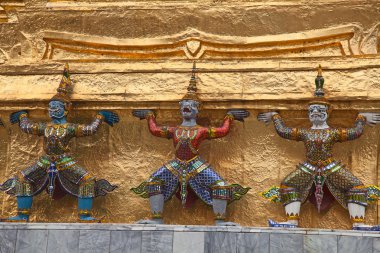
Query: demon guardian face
x: 318, y: 114
x: 189, y: 109
x: 56, y: 110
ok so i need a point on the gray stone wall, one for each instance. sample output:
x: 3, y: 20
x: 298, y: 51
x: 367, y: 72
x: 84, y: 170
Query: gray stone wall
x: 94, y: 238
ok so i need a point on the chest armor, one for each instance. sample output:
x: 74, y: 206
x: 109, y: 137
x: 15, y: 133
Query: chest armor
x: 184, y: 137
x: 319, y: 144
x: 56, y: 139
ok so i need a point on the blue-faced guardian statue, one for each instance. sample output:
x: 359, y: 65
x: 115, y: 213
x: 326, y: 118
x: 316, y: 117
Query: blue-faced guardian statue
x: 57, y: 171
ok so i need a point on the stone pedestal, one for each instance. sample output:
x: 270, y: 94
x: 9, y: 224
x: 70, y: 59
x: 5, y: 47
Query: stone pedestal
x: 93, y: 238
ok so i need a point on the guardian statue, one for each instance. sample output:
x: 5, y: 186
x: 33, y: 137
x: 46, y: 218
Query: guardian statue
x: 321, y: 178
x: 57, y: 171
x: 188, y: 174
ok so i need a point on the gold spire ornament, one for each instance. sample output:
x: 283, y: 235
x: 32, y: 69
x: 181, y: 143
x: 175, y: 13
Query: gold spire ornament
x: 319, y: 94
x: 65, y: 89
x: 192, y: 88
x: 319, y: 81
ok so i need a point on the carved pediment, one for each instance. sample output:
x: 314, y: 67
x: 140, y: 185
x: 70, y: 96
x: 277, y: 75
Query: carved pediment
x: 8, y: 8
x: 3, y: 15
x: 371, y: 41
x: 195, y: 44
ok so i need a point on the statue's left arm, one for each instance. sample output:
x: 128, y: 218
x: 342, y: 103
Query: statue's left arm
x: 218, y: 132
x: 103, y: 116
x: 348, y: 134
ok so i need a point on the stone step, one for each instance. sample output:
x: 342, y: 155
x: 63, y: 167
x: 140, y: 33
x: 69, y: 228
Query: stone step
x: 133, y: 238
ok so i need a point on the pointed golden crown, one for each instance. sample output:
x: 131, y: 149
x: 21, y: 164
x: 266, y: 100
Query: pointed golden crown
x: 192, y: 88
x: 65, y: 88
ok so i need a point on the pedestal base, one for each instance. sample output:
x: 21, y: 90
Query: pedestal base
x: 133, y: 238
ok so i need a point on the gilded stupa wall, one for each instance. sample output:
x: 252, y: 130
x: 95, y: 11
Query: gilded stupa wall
x: 259, y: 55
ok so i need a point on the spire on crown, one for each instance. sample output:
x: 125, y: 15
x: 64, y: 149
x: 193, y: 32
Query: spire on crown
x: 65, y: 88
x: 192, y: 88
x: 319, y: 93
x: 319, y: 81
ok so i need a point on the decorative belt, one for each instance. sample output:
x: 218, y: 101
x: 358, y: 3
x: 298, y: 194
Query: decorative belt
x: 54, y: 158
x: 329, y: 168
x: 187, y: 161
x: 183, y: 165
x: 321, y: 163
x: 62, y: 164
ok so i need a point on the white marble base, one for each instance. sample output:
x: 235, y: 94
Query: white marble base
x: 133, y: 238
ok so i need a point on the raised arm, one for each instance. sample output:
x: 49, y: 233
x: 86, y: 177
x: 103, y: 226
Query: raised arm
x: 110, y: 118
x: 219, y: 132
x: 26, y: 125
x: 290, y: 133
x: 348, y: 134
x: 223, y: 130
x: 156, y: 130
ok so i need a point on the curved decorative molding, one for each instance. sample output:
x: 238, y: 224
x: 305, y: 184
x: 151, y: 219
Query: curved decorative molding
x: 3, y: 15
x: 371, y: 42
x: 195, y: 44
x: 3, y: 56
x: 7, y: 9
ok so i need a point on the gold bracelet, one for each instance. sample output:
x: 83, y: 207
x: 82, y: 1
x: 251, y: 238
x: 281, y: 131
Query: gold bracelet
x: 361, y: 117
x: 150, y: 114
x: 99, y: 116
x: 230, y: 116
x: 276, y: 116
x: 22, y: 115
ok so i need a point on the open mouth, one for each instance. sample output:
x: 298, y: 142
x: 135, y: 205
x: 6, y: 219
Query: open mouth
x: 317, y: 116
x: 186, y: 109
x: 53, y: 109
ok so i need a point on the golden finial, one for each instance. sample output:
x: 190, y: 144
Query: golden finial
x: 65, y: 88
x: 192, y: 88
x: 319, y: 81
x: 319, y: 70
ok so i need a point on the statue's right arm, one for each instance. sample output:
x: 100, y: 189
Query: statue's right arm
x: 290, y: 133
x: 26, y: 125
x: 154, y: 128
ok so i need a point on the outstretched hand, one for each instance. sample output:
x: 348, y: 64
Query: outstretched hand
x: 15, y: 117
x: 110, y: 118
x: 141, y: 113
x: 265, y: 117
x: 239, y: 114
x: 372, y: 118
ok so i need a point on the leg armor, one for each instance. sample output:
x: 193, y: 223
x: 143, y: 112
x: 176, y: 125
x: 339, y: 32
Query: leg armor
x: 85, y: 199
x: 221, y: 194
x: 23, y: 192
